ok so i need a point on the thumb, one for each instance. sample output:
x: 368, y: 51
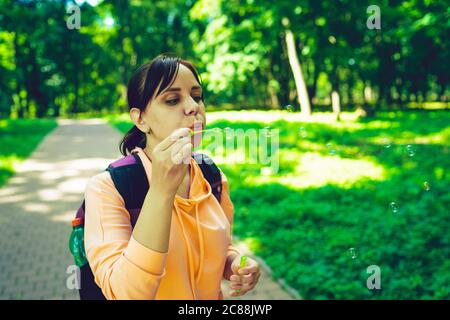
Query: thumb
x: 235, y: 265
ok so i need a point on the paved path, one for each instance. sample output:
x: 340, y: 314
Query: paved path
x: 39, y: 201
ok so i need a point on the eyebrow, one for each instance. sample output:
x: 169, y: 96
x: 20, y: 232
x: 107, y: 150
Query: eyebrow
x: 179, y: 89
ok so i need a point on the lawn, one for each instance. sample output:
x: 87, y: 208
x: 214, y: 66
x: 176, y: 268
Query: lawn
x: 347, y: 195
x: 18, y: 139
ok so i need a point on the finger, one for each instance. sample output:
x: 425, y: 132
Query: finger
x: 248, y: 278
x: 235, y: 278
x: 183, y: 156
x: 173, y: 137
x: 235, y: 286
x: 257, y: 277
x: 249, y: 269
x: 254, y: 283
x: 177, y: 157
x: 186, y: 153
x: 177, y: 148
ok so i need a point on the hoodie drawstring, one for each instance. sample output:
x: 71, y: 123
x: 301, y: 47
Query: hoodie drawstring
x: 193, y: 278
x: 202, y: 247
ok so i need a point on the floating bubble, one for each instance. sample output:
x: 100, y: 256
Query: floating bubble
x: 394, y: 207
x: 351, y: 61
x: 387, y: 143
x: 331, y: 149
x: 289, y: 108
x: 426, y: 186
x: 410, y: 150
x: 352, y: 253
x: 302, y: 132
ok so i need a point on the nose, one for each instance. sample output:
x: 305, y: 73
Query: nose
x: 191, y: 107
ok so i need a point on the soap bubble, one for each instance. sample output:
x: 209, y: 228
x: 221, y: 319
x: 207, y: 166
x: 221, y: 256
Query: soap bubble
x: 302, y: 132
x: 410, y: 150
x: 288, y: 107
x: 394, y: 207
x: 352, y: 253
x: 331, y: 149
x: 387, y: 143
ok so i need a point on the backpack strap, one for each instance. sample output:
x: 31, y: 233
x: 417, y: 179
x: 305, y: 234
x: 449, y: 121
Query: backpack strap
x: 130, y: 179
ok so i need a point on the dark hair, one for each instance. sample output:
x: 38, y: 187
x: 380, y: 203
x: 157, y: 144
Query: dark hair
x: 141, y: 88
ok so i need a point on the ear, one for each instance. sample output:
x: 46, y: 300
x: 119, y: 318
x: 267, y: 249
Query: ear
x: 135, y: 116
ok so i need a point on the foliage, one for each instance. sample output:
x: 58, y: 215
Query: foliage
x: 239, y: 47
x: 304, y: 219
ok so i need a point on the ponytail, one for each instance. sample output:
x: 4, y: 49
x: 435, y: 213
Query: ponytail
x: 133, y: 138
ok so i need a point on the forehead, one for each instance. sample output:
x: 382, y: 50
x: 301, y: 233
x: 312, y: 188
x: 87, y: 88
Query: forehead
x: 185, y: 78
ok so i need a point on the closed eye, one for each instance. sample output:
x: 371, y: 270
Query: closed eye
x: 172, y: 102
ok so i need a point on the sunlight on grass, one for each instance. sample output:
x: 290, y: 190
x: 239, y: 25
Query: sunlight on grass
x: 315, y: 170
x: 275, y: 115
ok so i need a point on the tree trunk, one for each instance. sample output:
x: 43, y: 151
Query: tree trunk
x: 302, y: 93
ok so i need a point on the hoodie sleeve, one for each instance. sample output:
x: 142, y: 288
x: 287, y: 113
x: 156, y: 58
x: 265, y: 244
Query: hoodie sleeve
x: 123, y: 268
x: 228, y: 207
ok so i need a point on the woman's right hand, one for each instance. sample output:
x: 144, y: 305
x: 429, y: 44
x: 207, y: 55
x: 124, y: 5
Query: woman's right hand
x: 170, y: 160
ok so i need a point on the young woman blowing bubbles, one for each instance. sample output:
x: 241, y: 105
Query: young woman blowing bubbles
x: 180, y: 247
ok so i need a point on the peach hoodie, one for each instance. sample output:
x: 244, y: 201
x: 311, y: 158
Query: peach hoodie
x: 200, y: 242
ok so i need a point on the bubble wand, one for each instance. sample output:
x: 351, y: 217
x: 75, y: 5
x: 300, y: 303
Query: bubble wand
x: 242, y: 265
x: 192, y: 132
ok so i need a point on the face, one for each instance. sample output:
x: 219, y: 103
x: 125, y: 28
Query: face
x: 177, y: 106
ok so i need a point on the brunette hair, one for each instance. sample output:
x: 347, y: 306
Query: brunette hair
x: 141, y: 88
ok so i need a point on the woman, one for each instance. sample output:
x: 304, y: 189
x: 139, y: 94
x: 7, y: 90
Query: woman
x: 180, y: 247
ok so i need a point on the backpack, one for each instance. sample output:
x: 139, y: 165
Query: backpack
x: 130, y: 179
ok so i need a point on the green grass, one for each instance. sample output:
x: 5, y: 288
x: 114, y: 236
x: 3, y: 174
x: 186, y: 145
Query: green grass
x: 303, y: 220
x: 18, y: 139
